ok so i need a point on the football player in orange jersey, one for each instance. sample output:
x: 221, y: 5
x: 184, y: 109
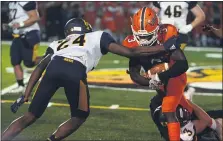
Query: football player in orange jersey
x: 146, y: 32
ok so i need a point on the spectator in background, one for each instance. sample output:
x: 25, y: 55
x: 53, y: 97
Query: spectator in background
x: 54, y: 18
x: 90, y: 13
x: 120, y: 21
x: 108, y: 19
x: 99, y: 13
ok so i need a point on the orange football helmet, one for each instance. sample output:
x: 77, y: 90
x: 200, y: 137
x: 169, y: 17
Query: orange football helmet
x: 165, y: 32
x: 145, y: 25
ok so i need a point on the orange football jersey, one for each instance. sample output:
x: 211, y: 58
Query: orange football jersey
x: 130, y: 42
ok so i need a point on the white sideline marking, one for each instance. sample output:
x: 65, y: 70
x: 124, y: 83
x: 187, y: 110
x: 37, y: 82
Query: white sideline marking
x: 143, y: 90
x: 8, y: 89
x: 188, y: 48
x: 27, y: 76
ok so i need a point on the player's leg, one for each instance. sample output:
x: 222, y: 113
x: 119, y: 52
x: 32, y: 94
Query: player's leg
x: 78, y: 98
x: 41, y: 98
x: 30, y: 49
x: 189, y: 91
x: 77, y: 94
x: 16, y: 58
x: 174, y: 89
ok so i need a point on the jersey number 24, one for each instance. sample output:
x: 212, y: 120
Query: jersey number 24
x: 80, y: 41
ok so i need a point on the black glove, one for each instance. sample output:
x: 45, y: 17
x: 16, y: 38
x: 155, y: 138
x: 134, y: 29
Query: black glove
x: 171, y: 44
x: 206, y: 27
x: 17, y: 104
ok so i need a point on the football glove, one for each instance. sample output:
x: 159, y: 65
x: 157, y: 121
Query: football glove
x: 154, y: 82
x: 15, y: 106
x: 206, y: 27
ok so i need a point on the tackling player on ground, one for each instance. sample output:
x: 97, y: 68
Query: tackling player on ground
x: 195, y: 125
x: 67, y: 63
x: 146, y: 31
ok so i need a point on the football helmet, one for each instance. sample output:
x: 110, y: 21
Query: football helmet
x: 145, y: 25
x: 77, y: 26
x: 165, y: 32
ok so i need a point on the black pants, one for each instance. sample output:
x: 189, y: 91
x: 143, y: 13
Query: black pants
x: 67, y: 73
x: 24, y: 48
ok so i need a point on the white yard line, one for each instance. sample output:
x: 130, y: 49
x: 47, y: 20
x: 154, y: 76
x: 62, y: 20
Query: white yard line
x: 144, y: 90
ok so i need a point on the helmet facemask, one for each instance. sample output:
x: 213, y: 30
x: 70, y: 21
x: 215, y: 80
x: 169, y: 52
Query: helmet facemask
x: 145, y: 38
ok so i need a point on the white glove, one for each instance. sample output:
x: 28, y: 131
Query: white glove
x: 185, y: 29
x: 155, y: 82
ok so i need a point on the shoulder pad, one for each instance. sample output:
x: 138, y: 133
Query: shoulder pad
x: 130, y: 42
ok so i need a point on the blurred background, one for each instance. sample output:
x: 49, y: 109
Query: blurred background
x: 113, y: 17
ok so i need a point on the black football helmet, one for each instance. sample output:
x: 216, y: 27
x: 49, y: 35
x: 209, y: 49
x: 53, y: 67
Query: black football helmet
x: 77, y: 26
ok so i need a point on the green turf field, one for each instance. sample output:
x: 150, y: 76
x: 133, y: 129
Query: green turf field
x: 130, y: 122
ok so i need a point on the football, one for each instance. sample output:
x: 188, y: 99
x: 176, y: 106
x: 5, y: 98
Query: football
x: 158, y: 68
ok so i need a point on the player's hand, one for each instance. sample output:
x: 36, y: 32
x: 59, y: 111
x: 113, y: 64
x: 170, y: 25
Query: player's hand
x: 171, y: 44
x: 185, y: 29
x: 15, y: 106
x: 154, y: 82
x: 15, y: 25
x: 207, y: 27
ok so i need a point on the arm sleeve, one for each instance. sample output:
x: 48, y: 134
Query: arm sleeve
x: 105, y: 41
x: 31, y: 5
x: 179, y: 67
x: 156, y: 4
x: 192, y: 4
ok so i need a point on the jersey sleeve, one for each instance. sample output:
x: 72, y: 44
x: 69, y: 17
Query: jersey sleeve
x: 49, y: 50
x: 28, y: 6
x: 156, y: 4
x: 106, y: 40
x: 192, y: 4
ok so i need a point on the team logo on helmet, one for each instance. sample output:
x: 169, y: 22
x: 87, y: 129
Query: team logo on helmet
x: 152, y: 22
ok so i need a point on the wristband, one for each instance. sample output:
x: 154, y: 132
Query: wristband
x: 190, y: 26
x: 21, y: 24
x: 213, y: 124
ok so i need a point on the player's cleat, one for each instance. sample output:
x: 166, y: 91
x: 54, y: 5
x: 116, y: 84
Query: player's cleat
x: 19, y: 89
x: 15, y: 106
x: 189, y: 93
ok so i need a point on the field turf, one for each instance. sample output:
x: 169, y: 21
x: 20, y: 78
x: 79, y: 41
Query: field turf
x: 131, y: 122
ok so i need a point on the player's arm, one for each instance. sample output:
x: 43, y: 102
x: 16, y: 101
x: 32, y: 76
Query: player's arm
x: 115, y: 48
x: 30, y: 8
x: 156, y: 6
x: 134, y: 71
x: 217, y: 32
x: 37, y: 73
x: 204, y: 120
x: 199, y: 15
x: 179, y: 67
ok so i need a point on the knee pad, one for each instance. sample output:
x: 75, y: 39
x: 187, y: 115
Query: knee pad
x: 80, y: 114
x: 169, y: 104
x: 29, y: 64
